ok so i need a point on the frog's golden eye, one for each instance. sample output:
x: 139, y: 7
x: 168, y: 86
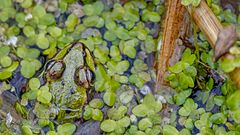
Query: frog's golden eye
x: 83, y: 77
x: 55, y: 69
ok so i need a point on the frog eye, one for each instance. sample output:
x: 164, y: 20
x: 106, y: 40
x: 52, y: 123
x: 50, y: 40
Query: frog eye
x: 55, y: 69
x: 83, y: 77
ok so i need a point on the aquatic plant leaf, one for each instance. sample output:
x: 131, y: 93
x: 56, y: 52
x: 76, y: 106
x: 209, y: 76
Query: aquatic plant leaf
x: 87, y: 115
x: 26, y: 130
x: 140, y: 110
x: 233, y: 101
x: 88, y: 9
x: 34, y: 83
x: 27, y: 53
x: 42, y: 42
x: 51, y: 133
x: 38, y: 11
x: 108, y: 125
x: 227, y: 65
x: 188, y: 57
x: 124, y: 122
x: 97, y: 115
x: 71, y: 22
x: 5, y: 61
x: 236, y: 116
x: 4, y: 50
x: 170, y: 130
x: 47, y: 19
x: 130, y: 51
x: 66, y: 128
x: 96, y: 103
x: 122, y: 66
x: 210, y: 103
x: 55, y: 31
x: 126, y: 96
x: 184, y: 132
x: 151, y: 103
x: 27, y: 69
x: 144, y: 123
x: 219, y: 100
x: 218, y: 118
x: 178, y: 67
x: 195, y: 3
x: 181, y: 97
x: 44, y: 96
x: 109, y: 98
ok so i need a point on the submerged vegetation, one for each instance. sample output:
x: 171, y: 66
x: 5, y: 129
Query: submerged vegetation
x: 92, y: 62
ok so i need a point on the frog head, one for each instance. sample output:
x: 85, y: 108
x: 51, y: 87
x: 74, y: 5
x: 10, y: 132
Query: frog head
x: 70, y: 75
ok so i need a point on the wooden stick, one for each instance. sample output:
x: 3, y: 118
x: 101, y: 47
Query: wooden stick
x: 172, y: 25
x: 221, y: 39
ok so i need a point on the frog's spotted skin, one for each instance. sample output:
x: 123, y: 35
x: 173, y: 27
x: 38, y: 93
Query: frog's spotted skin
x: 69, y: 96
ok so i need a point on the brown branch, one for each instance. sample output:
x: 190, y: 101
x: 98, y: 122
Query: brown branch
x: 172, y: 25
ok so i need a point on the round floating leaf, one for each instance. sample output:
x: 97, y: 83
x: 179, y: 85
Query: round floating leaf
x: 97, y: 115
x: 26, y: 130
x: 42, y: 42
x: 71, y: 22
x: 55, y: 31
x: 96, y: 103
x: 218, y: 118
x: 4, y: 50
x: 140, y: 110
x: 34, y: 83
x: 88, y: 9
x: 44, y: 96
x: 170, y: 130
x: 27, y: 69
x: 29, y: 31
x: 144, y: 124
x: 154, y: 17
x: 122, y: 66
x: 130, y: 51
x: 108, y: 125
x: 88, y: 113
x: 236, y: 116
x: 47, y: 19
x: 124, y: 122
x: 66, y: 129
x: 27, y: 53
x: 26, y: 3
x: 126, y: 97
x: 38, y: 11
x: 6, y: 61
x: 109, y: 98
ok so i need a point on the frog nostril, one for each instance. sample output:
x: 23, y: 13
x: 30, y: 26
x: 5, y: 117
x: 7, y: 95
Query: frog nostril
x: 84, y: 54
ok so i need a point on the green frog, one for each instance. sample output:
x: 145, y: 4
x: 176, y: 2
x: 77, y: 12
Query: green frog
x: 69, y: 76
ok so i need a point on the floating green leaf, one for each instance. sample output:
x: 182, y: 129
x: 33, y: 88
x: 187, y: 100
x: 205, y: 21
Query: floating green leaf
x: 66, y: 129
x: 108, y: 125
x: 109, y: 98
x: 44, y: 96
